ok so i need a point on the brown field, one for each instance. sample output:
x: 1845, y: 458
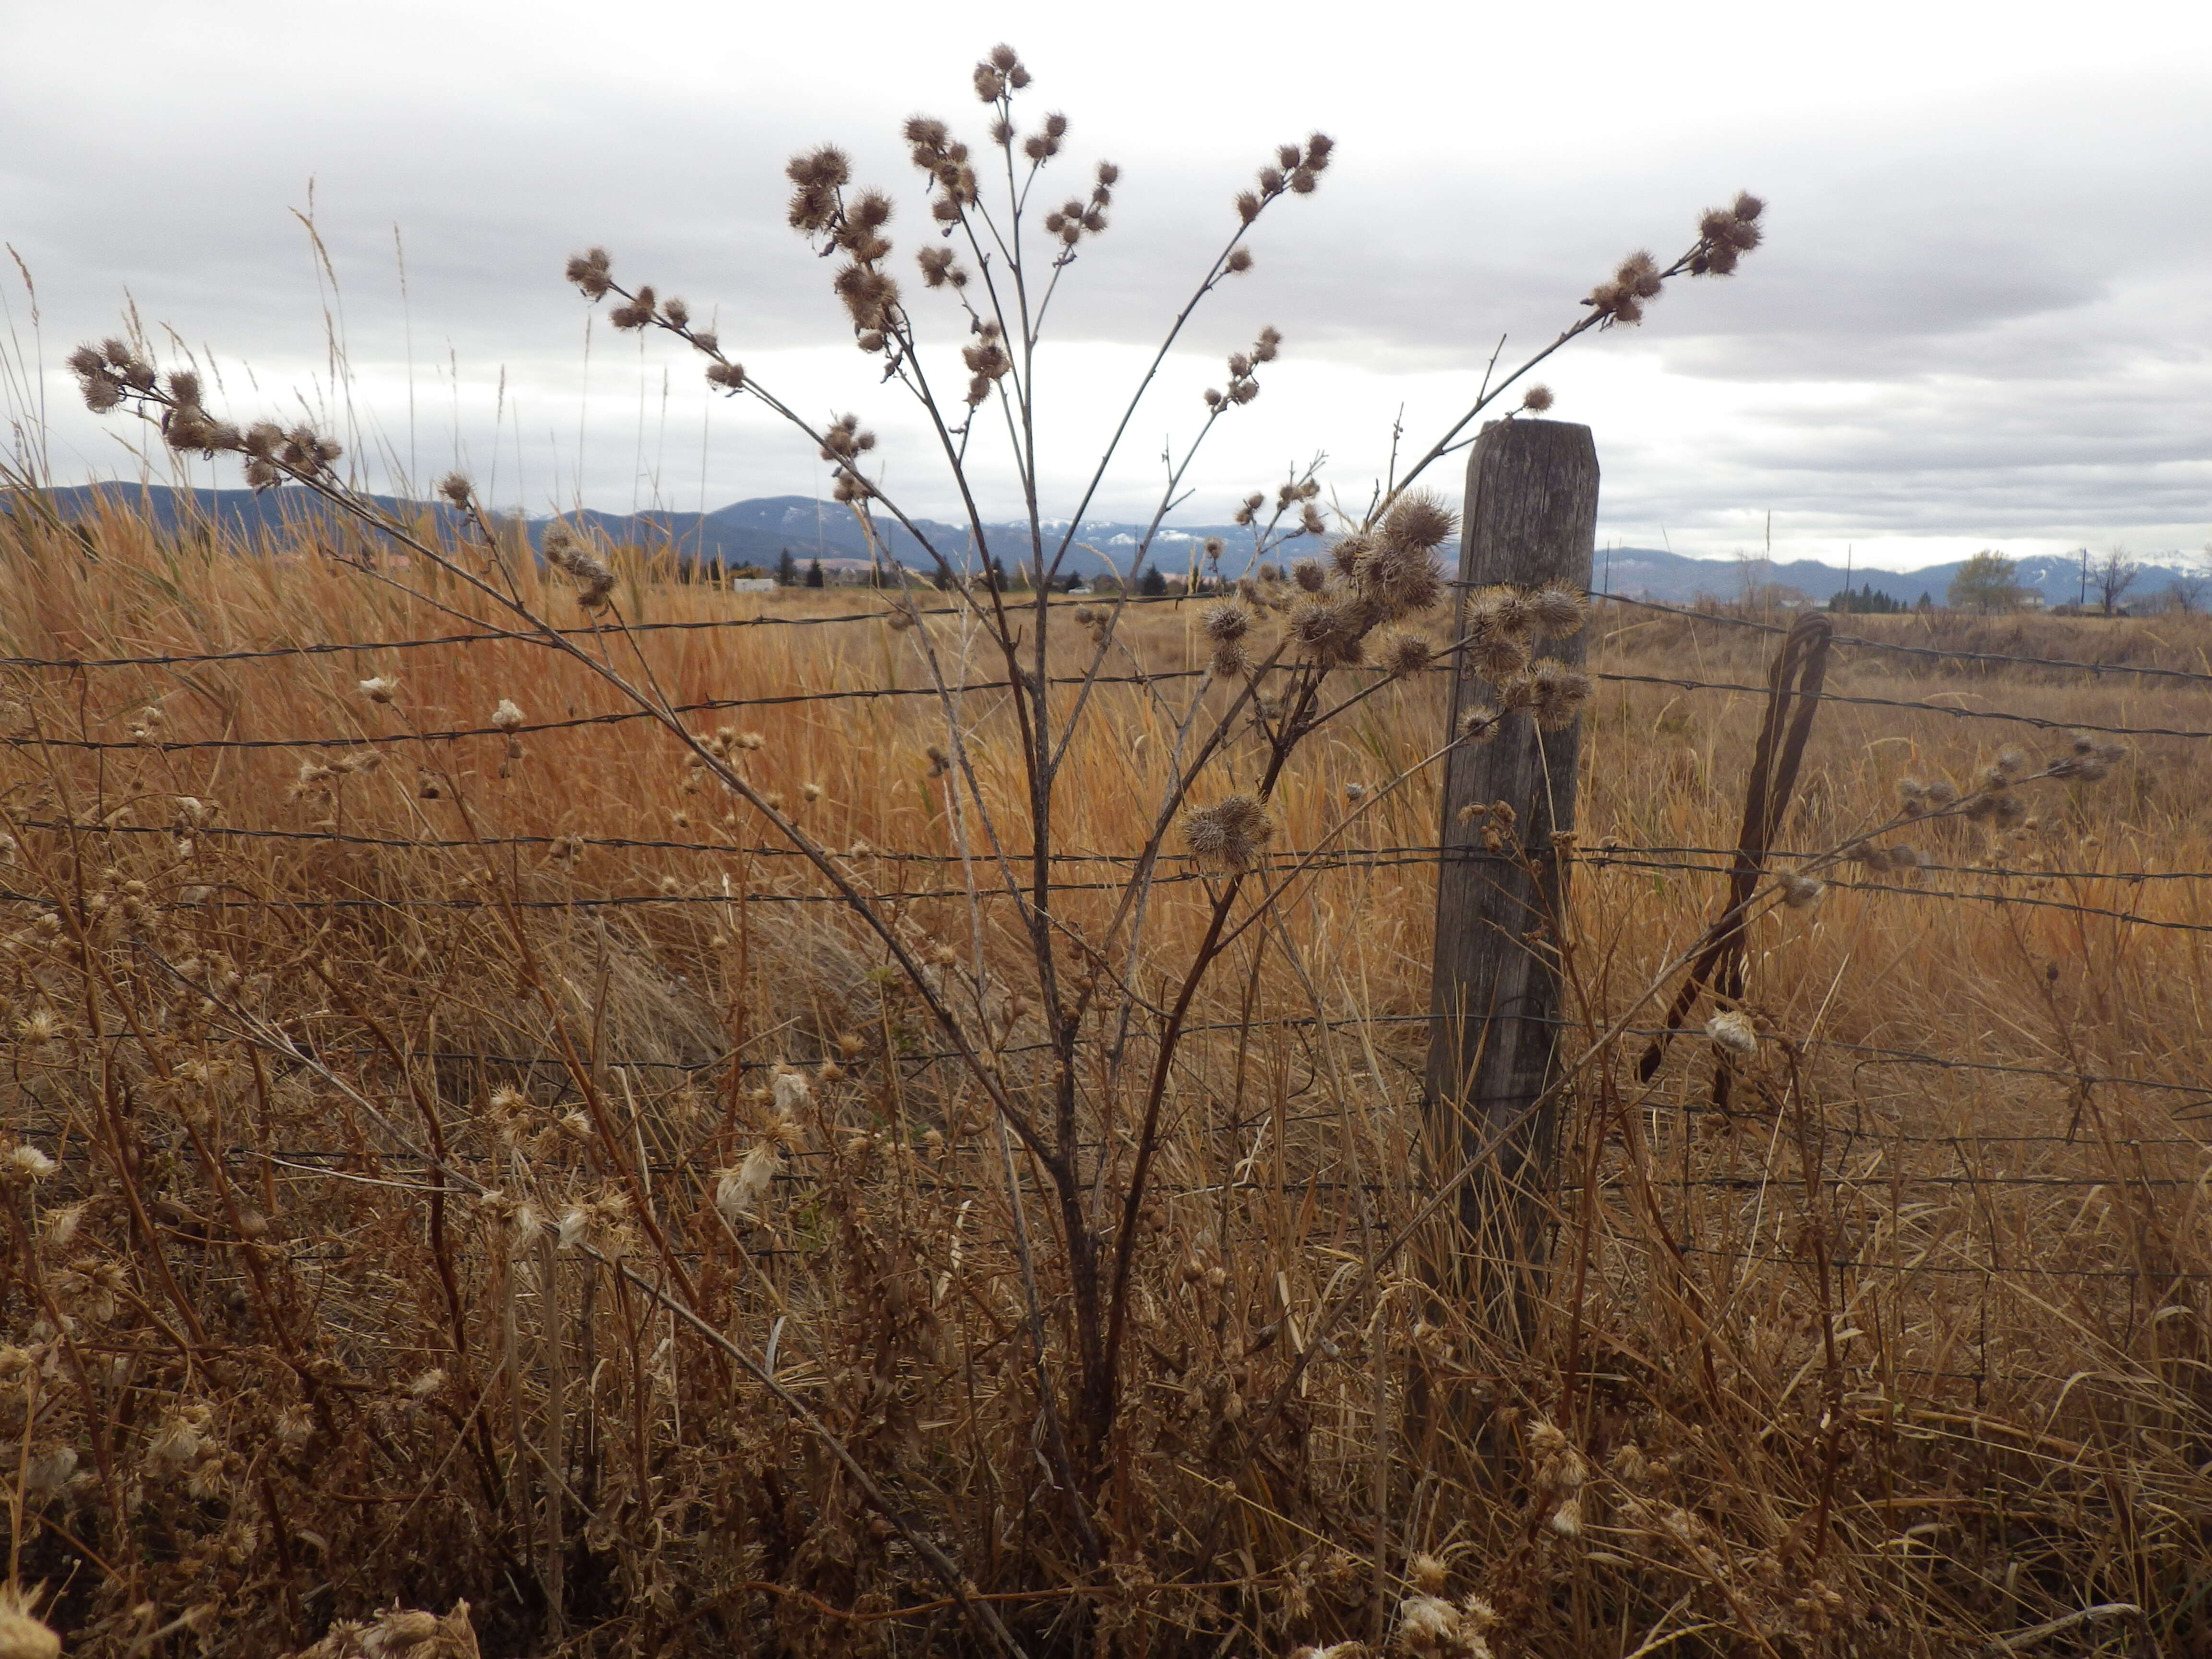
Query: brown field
x: 1889, y: 1357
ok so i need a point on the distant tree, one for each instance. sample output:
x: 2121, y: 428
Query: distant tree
x: 786, y: 570
x: 2114, y: 574
x: 1984, y: 583
x: 814, y: 573
x: 1153, y: 585
x: 1923, y: 602
x: 2192, y: 587
x: 1866, y: 602
x: 1775, y: 596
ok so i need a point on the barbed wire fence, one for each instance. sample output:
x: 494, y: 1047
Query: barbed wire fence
x: 1935, y: 882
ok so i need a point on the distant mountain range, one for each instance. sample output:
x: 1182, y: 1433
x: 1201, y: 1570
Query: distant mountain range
x: 758, y: 532
x: 1649, y: 573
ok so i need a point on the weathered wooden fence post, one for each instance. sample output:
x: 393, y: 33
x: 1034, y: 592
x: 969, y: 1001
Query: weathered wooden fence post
x: 1531, y: 518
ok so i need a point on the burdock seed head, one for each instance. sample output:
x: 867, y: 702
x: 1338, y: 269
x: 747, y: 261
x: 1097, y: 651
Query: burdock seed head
x: 1401, y: 655
x: 590, y: 272
x: 1328, y: 630
x: 1230, y: 834
x: 1513, y: 611
x: 1559, y: 610
x: 2092, y: 759
x: 1419, y: 520
x: 1520, y: 691
x: 1732, y: 1032
x: 1225, y: 621
x: 1479, y: 725
x: 1799, y: 892
x: 1561, y: 691
x: 21, y: 1636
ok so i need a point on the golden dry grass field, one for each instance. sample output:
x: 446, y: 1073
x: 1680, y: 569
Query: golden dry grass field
x: 1904, y: 1350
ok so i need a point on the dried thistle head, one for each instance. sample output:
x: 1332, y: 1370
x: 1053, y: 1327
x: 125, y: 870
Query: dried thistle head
x: 380, y: 689
x: 1536, y: 399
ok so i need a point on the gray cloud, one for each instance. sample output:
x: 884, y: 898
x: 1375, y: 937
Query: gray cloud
x: 1978, y: 315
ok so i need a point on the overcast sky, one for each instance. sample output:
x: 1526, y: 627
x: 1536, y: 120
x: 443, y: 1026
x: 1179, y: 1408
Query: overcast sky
x: 1983, y: 316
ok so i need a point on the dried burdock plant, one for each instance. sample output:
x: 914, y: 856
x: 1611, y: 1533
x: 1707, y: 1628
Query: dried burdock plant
x: 1066, y: 1074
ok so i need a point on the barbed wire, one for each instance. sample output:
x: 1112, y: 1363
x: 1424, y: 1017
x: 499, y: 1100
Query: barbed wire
x: 1892, y: 646
x: 163, y: 745
x: 620, y: 717
x: 1619, y: 857
x: 1605, y: 852
x: 2037, y: 720
x: 253, y: 653
x: 1877, y: 1054
x: 1850, y: 1264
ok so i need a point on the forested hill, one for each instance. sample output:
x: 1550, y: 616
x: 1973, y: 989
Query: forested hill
x: 760, y: 530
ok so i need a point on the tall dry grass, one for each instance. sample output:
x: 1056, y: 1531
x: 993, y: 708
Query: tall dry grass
x: 1889, y: 1357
